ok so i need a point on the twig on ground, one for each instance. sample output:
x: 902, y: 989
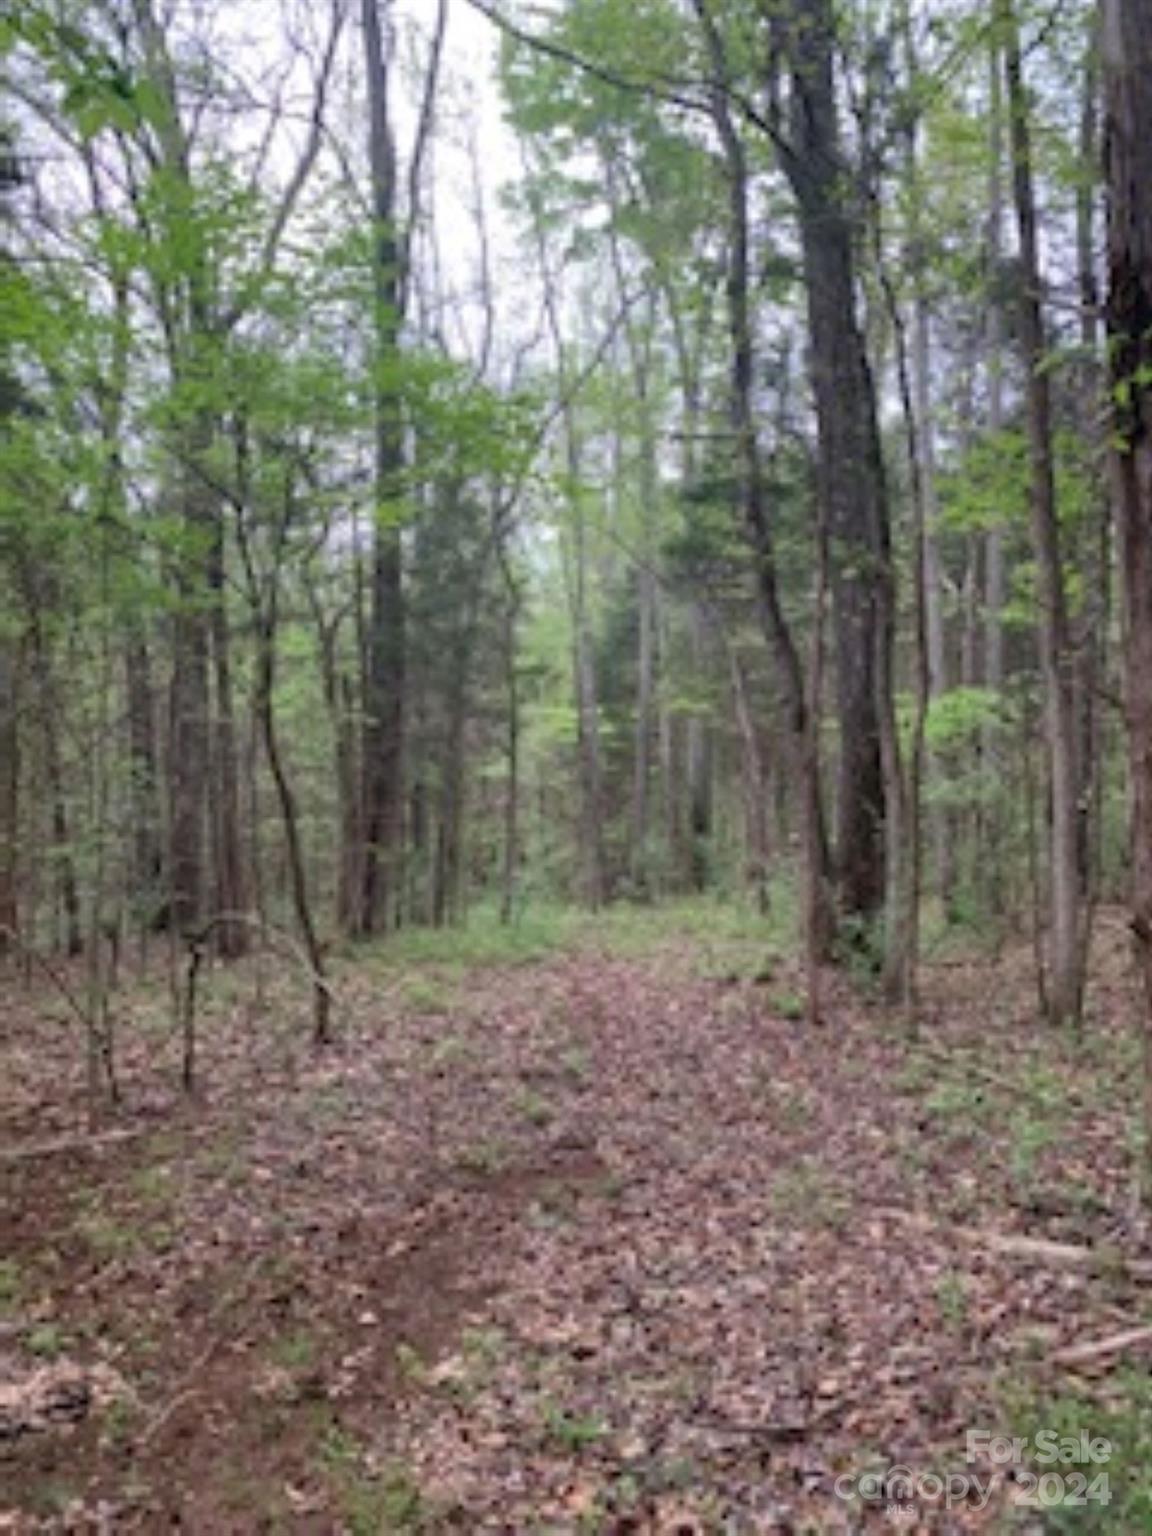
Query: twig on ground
x: 1093, y: 1349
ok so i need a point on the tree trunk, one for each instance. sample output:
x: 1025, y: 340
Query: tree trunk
x: 297, y: 865
x: 231, y: 882
x: 995, y: 585
x: 593, y: 876
x: 9, y: 797
x: 337, y: 689
x: 1066, y: 981
x: 851, y: 468
x: 69, y: 932
x: 646, y: 596
x: 1094, y: 618
x: 383, y: 736
x: 754, y: 784
x: 801, y: 721
x: 1126, y: 52
x: 188, y: 754
x: 146, y: 855
x: 943, y: 828
x: 511, y: 861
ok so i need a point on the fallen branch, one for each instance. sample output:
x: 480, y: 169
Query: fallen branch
x: 185, y: 1389
x: 79, y: 1143
x: 1041, y: 1250
x: 1044, y: 1251
x: 1078, y: 1354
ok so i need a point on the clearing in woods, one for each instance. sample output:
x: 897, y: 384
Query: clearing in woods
x: 593, y: 1240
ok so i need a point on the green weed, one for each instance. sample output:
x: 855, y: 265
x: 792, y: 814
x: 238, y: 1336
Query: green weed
x: 11, y: 1285
x: 47, y: 1340
x: 1124, y: 1419
x: 570, y: 1432
x: 295, y: 1351
x: 384, y: 1503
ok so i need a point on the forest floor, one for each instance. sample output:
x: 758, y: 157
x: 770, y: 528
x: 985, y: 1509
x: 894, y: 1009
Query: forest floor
x: 591, y: 1238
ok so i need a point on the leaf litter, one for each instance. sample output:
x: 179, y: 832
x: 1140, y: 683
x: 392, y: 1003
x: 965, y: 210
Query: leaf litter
x: 604, y: 1246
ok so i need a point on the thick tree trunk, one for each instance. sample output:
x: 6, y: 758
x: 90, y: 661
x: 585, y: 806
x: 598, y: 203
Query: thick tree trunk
x: 185, y: 299
x: 799, y: 715
x: 851, y: 468
x: 1126, y: 52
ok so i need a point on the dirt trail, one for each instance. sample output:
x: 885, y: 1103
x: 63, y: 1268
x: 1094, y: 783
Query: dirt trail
x: 593, y: 1245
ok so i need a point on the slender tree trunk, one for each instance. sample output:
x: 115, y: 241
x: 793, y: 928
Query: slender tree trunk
x: 994, y: 564
x: 446, y: 905
x: 231, y: 882
x: 1093, y: 620
x: 1066, y: 980
x: 297, y: 863
x: 701, y: 797
x: 383, y: 738
x: 188, y: 754
x: 9, y: 796
x: 936, y: 656
x: 67, y: 893
x: 338, y: 703
x: 639, y: 346
x: 146, y: 859
x: 594, y: 878
x: 643, y: 732
x: 511, y: 862
x: 754, y: 783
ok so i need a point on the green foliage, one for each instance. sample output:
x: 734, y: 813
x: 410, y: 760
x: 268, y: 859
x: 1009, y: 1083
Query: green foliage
x: 11, y: 1285
x: 988, y: 487
x: 1123, y: 1416
x: 571, y: 1432
x: 371, y: 1502
x: 294, y: 1351
x: 46, y: 1340
x: 958, y: 717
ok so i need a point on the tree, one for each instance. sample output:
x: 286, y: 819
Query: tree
x: 852, y: 480
x: 1065, y: 985
x: 1126, y: 51
x: 10, y: 180
x: 382, y: 748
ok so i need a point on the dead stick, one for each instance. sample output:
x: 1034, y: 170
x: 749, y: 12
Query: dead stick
x: 1077, y: 1354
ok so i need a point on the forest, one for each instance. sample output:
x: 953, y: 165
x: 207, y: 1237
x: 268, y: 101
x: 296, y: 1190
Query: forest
x: 575, y: 766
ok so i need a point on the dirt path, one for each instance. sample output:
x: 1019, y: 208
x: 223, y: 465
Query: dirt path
x: 593, y: 1245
